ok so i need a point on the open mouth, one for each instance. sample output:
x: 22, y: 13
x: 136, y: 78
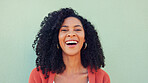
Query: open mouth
x: 71, y: 43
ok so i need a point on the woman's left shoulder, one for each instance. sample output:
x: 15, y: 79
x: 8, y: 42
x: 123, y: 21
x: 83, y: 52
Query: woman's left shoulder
x: 100, y: 73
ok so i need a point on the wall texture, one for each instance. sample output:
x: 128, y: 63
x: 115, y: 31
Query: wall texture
x: 122, y: 26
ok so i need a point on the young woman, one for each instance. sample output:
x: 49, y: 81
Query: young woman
x: 68, y: 50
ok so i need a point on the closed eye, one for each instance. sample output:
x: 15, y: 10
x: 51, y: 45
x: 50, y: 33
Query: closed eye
x: 64, y: 30
x: 77, y: 29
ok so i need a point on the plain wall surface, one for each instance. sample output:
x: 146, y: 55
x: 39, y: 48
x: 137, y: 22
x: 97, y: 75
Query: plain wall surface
x: 122, y: 26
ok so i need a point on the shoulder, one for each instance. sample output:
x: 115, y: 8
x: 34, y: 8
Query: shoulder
x: 36, y: 76
x: 101, y: 74
x: 34, y: 71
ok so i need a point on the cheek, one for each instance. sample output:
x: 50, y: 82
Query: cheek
x: 61, y: 38
x: 82, y: 36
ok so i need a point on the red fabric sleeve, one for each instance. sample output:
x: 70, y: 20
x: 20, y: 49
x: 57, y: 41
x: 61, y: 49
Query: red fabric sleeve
x: 106, y: 78
x: 102, y: 76
x: 35, y: 77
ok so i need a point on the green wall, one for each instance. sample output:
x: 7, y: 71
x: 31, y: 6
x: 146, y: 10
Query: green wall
x: 122, y: 27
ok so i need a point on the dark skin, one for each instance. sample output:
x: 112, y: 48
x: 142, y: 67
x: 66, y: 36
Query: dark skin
x: 71, y: 30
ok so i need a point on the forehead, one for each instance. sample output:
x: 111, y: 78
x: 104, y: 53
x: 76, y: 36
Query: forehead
x: 71, y: 21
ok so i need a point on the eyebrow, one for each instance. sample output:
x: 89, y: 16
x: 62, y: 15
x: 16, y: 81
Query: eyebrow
x: 77, y: 26
x: 74, y: 26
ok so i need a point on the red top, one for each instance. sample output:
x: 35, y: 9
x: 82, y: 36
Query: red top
x: 97, y: 77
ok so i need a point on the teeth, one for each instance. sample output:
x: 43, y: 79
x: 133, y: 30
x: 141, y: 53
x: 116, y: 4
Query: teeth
x: 71, y: 42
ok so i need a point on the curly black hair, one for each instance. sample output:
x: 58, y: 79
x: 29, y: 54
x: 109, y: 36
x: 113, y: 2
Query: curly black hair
x: 49, y: 57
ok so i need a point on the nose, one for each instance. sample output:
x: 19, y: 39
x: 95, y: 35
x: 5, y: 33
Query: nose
x: 71, y: 34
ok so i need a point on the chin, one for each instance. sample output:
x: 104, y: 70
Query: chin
x: 71, y: 53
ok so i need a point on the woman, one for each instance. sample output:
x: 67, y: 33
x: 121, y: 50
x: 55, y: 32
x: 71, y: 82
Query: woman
x: 68, y: 50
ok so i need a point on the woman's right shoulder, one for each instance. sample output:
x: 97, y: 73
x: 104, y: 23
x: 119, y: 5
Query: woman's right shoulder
x: 36, y: 76
x: 34, y: 71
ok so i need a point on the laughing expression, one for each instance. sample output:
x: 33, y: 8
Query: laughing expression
x: 71, y: 36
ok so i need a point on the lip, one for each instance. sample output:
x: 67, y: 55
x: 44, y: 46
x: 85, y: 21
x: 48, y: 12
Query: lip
x: 71, y: 40
x: 71, y: 46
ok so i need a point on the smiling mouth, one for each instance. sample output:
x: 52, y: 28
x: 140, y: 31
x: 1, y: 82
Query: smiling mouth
x: 71, y: 43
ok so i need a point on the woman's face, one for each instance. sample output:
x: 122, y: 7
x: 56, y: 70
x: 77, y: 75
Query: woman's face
x: 71, y: 36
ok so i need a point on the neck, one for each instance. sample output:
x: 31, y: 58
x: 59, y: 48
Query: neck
x: 73, y: 64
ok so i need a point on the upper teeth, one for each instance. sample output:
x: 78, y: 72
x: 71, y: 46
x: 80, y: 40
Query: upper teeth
x: 71, y: 42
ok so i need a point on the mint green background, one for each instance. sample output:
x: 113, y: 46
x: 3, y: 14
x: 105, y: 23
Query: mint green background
x: 122, y: 27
